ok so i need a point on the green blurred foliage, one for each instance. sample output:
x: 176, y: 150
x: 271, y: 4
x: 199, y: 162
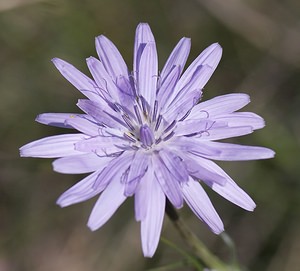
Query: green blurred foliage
x: 261, y: 57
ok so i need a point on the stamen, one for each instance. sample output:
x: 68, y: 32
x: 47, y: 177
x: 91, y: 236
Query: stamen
x: 186, y: 115
x: 155, y: 110
x: 115, y: 118
x: 168, y: 136
x: 114, y: 154
x: 158, y: 123
x: 202, y: 132
x: 158, y: 140
x: 128, y: 122
x: 124, y: 110
x: 170, y: 126
x: 133, y: 83
x: 113, y: 106
x: 138, y: 115
x: 193, y: 134
x: 144, y: 105
x: 129, y: 138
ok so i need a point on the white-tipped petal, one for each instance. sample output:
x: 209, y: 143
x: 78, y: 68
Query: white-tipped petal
x: 53, y: 146
x: 143, y: 35
x: 109, y: 201
x: 223, y: 104
x: 79, y: 80
x: 199, y: 202
x: 111, y: 58
x: 152, y: 224
x: 178, y: 57
x: 211, y: 57
x: 229, y: 190
x: 79, y: 164
x: 148, y: 73
x: 57, y: 119
x: 82, y: 191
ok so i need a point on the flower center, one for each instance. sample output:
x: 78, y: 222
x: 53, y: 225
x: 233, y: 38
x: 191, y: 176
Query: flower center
x: 146, y: 126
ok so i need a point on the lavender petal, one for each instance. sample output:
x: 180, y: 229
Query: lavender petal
x: 177, y: 58
x: 115, y: 169
x: 225, y: 132
x: 83, y: 163
x: 199, y: 202
x: 165, y: 178
x: 197, y: 82
x: 180, y: 107
x: 199, y: 126
x: 138, y: 166
x: 210, y: 56
x: 152, y: 224
x: 235, y: 152
x: 143, y: 35
x: 137, y: 171
x: 82, y: 191
x: 174, y: 164
x: 242, y: 119
x: 111, y: 58
x: 79, y: 80
x: 203, y: 169
x: 197, y: 147
x: 142, y: 197
x: 207, y: 129
x: 230, y: 190
x: 223, y: 104
x: 165, y: 91
x: 106, y: 88
x: 108, y: 118
x: 148, y: 73
x: 57, y: 119
x: 110, y: 200
x: 83, y: 125
x: 52, y: 146
x: 99, y: 145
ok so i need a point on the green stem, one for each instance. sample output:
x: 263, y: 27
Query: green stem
x: 190, y: 259
x: 208, y: 258
x: 169, y: 267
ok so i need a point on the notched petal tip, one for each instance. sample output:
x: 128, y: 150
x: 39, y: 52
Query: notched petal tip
x: 59, y: 63
x: 90, y: 59
x: 149, y: 253
x: 91, y: 226
x: 216, y: 46
x: 218, y: 230
x: 22, y: 152
x: 100, y: 37
x: 60, y: 202
x: 143, y: 33
x: 54, y: 59
x: 251, y: 207
x: 272, y: 153
x: 143, y: 24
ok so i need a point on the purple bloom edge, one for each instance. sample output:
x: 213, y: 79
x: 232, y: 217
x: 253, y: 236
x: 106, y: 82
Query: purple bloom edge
x: 146, y: 134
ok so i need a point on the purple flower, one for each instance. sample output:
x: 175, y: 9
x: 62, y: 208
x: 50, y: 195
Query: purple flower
x: 145, y: 134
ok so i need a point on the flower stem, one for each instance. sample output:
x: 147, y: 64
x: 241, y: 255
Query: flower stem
x: 200, y: 250
x: 191, y: 260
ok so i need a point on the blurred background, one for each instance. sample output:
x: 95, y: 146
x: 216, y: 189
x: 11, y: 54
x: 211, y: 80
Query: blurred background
x: 261, y: 42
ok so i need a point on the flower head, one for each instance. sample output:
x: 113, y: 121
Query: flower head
x: 145, y: 134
